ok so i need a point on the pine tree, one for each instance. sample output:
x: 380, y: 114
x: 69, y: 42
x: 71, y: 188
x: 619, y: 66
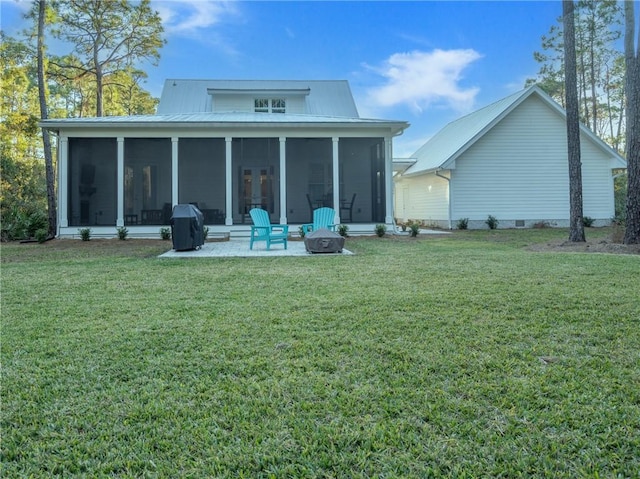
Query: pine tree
x: 576, y: 226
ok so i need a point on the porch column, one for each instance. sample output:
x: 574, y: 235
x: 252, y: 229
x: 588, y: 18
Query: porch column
x: 120, y: 182
x: 228, y: 180
x: 388, y: 179
x: 174, y: 171
x: 283, y: 180
x: 336, y: 178
x: 63, y: 182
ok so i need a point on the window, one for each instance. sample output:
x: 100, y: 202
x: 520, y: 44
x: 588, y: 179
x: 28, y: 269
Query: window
x: 264, y: 105
x: 278, y: 105
x: 261, y: 105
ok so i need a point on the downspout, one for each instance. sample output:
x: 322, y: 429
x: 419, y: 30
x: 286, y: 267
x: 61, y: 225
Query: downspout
x: 449, y: 192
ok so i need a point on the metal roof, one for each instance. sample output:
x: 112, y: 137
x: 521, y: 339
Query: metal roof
x: 323, y: 97
x: 221, y: 120
x: 186, y: 103
x: 441, y: 150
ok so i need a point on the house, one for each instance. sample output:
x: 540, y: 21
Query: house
x: 508, y: 160
x: 227, y: 146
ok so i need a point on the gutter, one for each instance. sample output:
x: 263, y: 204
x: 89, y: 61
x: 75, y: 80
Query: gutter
x: 437, y: 172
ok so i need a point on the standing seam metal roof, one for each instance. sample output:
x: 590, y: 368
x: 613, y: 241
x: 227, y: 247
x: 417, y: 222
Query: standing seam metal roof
x: 226, y: 119
x: 446, y: 145
x: 326, y: 97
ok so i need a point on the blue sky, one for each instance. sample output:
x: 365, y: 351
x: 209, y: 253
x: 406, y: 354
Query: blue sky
x: 423, y: 62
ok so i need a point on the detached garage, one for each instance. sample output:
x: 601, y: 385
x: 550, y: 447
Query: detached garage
x: 508, y: 160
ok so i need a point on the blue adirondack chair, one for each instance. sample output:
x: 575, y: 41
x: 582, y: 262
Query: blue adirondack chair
x: 263, y: 230
x: 322, y: 218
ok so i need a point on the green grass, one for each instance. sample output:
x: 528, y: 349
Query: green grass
x: 413, y: 358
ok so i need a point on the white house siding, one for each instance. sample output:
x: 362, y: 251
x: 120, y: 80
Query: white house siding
x: 597, y: 184
x: 423, y: 197
x: 518, y: 171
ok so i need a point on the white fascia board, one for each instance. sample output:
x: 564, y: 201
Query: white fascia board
x: 617, y: 163
x: 430, y: 171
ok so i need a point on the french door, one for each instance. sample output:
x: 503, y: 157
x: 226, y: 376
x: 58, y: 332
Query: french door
x: 256, y: 188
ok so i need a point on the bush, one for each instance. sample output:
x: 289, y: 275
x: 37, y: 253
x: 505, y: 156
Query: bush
x: 42, y: 235
x: 165, y: 233
x: 343, y: 230
x: 19, y: 223
x: 122, y: 233
x: 463, y: 223
x: 492, y: 222
x: 23, y: 193
x: 381, y: 229
x: 587, y: 221
x: 414, y: 229
x: 85, y: 234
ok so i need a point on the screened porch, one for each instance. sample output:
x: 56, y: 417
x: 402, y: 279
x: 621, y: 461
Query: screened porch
x: 225, y: 178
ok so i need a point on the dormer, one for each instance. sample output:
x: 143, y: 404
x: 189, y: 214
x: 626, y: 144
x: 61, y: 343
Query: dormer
x: 290, y: 97
x: 258, y: 100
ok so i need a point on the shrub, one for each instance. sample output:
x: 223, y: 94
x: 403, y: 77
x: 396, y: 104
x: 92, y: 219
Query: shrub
x: 414, y: 229
x: 165, y: 233
x: 492, y: 222
x: 343, y: 230
x: 463, y: 223
x: 22, y: 222
x: 42, y: 235
x: 381, y: 229
x: 122, y: 233
x: 587, y: 221
x: 85, y: 234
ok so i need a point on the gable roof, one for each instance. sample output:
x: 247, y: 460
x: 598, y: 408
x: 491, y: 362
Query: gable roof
x: 185, y: 104
x: 322, y: 97
x: 441, y: 150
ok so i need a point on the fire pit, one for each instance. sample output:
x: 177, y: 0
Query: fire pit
x: 323, y: 241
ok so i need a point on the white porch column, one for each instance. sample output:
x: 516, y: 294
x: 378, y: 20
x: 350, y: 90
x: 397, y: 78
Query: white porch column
x: 63, y: 182
x: 283, y: 180
x: 388, y: 174
x: 336, y: 178
x: 174, y: 171
x: 120, y: 182
x: 228, y: 181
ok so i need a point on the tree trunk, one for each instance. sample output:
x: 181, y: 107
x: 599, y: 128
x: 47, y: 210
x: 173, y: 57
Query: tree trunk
x: 576, y: 227
x: 46, y: 140
x: 632, y: 87
x: 98, y: 85
x: 594, y: 96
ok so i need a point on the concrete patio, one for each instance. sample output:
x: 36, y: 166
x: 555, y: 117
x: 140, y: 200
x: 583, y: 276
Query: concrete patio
x: 240, y: 248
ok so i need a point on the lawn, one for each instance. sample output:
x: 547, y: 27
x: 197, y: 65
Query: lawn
x: 466, y: 355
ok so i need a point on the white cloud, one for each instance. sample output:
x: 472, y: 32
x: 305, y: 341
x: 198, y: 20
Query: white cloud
x: 192, y: 18
x: 420, y: 79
